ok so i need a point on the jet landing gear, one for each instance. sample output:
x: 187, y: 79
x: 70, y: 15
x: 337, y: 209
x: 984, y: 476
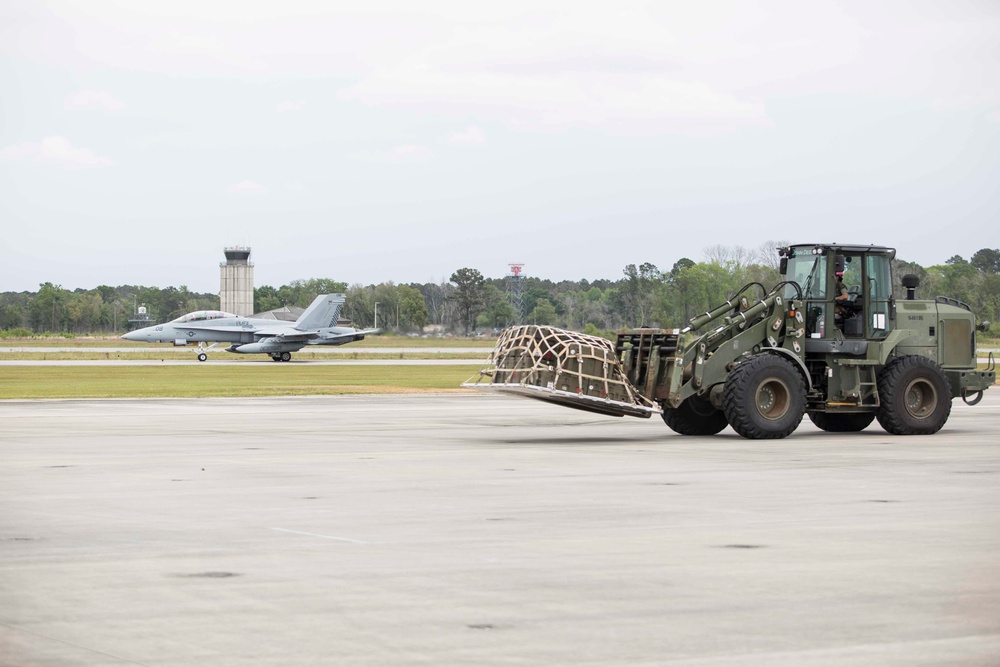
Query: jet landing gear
x: 203, y: 351
x: 281, y: 356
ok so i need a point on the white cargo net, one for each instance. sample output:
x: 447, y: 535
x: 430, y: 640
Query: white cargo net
x: 564, y: 367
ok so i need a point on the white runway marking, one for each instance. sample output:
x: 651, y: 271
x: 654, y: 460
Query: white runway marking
x: 325, y: 537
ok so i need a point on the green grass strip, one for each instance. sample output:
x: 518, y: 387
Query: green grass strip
x: 19, y: 382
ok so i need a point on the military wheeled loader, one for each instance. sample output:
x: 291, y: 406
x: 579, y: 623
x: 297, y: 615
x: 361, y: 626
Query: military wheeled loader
x: 829, y: 341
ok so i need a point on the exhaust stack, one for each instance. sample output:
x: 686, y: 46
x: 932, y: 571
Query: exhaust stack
x: 911, y: 282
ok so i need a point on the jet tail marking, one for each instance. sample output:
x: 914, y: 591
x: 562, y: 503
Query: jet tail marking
x: 322, y: 313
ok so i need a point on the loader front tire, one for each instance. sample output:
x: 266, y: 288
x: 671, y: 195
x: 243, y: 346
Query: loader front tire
x: 914, y: 396
x: 844, y: 422
x: 695, y: 416
x: 764, y: 397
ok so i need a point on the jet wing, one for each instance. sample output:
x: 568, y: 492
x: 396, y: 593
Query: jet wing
x: 205, y: 327
x: 342, y: 337
x: 286, y: 335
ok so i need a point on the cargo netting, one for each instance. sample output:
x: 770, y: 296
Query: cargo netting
x: 564, y: 367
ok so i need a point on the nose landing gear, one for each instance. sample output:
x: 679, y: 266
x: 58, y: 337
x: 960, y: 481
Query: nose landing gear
x: 203, y: 351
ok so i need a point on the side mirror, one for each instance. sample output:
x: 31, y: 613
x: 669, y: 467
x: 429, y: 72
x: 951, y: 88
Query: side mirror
x: 783, y: 265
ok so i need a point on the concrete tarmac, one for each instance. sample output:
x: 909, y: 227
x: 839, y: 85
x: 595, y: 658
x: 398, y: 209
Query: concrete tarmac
x: 486, y: 530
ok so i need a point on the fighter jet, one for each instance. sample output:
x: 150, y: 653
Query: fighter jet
x: 316, y: 326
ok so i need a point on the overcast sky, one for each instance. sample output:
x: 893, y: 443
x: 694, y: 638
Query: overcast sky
x: 399, y: 141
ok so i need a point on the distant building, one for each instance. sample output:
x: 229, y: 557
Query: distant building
x: 236, y: 288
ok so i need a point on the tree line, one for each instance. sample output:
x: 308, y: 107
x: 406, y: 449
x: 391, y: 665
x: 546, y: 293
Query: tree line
x: 469, y: 302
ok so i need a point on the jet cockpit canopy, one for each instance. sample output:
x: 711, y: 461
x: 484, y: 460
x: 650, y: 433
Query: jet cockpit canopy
x: 202, y: 315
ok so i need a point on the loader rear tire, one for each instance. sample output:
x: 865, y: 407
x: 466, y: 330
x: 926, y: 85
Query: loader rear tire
x: 914, y: 396
x: 695, y: 416
x: 764, y: 397
x: 847, y: 422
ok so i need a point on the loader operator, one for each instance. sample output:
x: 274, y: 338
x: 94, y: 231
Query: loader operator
x: 840, y: 297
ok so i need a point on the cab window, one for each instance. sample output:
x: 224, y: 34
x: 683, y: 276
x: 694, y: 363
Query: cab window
x: 878, y: 293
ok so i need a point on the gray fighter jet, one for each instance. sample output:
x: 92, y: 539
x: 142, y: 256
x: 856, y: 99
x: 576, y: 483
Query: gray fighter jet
x: 316, y: 326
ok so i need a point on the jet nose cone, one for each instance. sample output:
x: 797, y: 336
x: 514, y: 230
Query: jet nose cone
x: 132, y: 335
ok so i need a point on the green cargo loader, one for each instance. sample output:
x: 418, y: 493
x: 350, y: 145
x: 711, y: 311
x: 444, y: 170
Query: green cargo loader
x: 829, y: 341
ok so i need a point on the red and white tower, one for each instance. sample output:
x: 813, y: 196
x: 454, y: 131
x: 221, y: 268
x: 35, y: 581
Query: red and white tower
x: 515, y: 288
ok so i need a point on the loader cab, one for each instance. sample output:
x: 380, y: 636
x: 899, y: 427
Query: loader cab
x: 865, y: 313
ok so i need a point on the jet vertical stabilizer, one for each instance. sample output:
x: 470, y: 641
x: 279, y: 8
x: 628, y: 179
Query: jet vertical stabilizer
x: 322, y: 313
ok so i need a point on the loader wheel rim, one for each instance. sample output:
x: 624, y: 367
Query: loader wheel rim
x: 920, y: 398
x: 773, y: 399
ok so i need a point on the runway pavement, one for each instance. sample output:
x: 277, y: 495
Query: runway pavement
x: 186, y: 356
x: 486, y: 530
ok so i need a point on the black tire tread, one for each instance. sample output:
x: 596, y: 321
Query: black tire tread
x: 739, y: 385
x: 848, y: 422
x: 891, y: 382
x: 685, y: 420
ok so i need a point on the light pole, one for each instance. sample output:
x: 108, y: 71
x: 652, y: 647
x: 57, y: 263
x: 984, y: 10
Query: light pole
x: 376, y: 316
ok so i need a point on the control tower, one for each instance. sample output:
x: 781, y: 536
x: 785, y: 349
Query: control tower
x: 236, y: 287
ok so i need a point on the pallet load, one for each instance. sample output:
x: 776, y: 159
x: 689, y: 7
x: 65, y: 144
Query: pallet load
x: 564, y: 367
